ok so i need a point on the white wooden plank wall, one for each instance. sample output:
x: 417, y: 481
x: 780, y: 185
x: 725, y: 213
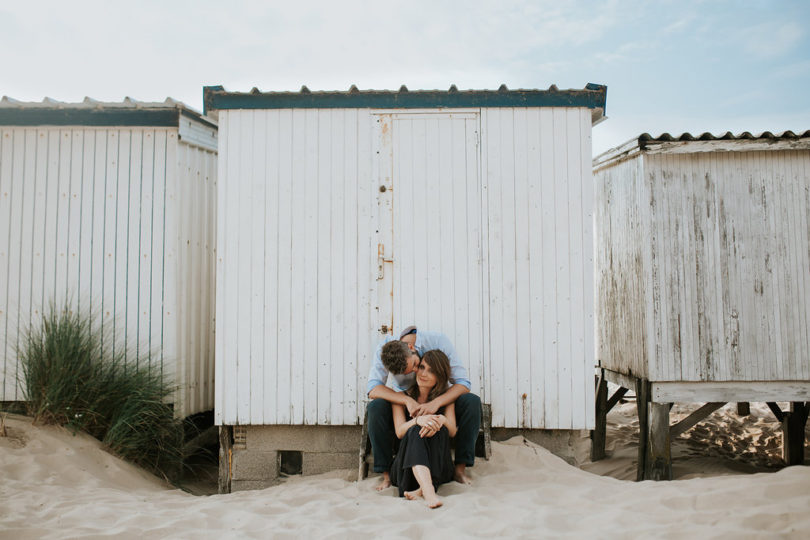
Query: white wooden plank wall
x: 438, y: 273
x: 67, y: 206
x: 192, y: 204
x: 621, y: 284
x: 82, y: 219
x: 295, y: 266
x: 538, y: 193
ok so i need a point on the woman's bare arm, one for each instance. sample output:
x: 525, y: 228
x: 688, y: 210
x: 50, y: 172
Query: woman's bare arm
x: 400, y: 425
x: 450, y: 419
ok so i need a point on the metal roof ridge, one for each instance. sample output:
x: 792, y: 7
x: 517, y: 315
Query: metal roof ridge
x: 89, y: 103
x: 638, y: 144
x: 591, y: 87
x: 592, y: 96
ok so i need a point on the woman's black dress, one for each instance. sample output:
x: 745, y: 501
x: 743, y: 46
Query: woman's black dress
x: 432, y: 452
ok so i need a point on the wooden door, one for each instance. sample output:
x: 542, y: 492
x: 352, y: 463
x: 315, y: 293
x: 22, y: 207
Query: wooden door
x: 429, y: 254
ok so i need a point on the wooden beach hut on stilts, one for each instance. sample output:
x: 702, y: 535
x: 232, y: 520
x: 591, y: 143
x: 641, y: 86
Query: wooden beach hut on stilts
x: 346, y: 216
x: 702, y: 282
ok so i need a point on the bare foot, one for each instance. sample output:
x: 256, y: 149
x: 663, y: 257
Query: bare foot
x: 460, y: 475
x: 384, y: 483
x: 413, y: 495
x: 433, y: 502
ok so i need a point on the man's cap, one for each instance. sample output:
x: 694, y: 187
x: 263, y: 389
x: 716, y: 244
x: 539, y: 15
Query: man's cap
x: 408, y: 330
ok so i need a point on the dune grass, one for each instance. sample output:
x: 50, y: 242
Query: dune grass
x: 73, y: 376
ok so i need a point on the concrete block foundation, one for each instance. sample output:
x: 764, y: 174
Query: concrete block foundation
x: 253, y: 458
x: 258, y: 453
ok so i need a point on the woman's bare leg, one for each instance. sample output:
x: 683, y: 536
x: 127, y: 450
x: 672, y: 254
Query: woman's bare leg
x: 422, y: 475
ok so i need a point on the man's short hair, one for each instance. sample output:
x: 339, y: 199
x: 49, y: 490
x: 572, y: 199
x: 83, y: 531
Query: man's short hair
x: 395, y: 355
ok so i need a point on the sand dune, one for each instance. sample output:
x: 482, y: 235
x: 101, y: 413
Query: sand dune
x: 55, y: 485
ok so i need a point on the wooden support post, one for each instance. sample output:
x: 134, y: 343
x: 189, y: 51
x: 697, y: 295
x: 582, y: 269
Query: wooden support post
x: 690, y: 421
x: 658, y: 464
x: 615, y: 398
x: 486, y: 429
x: 743, y: 408
x: 642, y: 399
x: 362, y: 467
x: 225, y: 458
x: 599, y: 434
x: 793, y: 423
x: 777, y: 412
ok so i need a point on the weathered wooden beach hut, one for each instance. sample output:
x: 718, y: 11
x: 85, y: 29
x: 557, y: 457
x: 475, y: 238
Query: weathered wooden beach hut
x: 702, y: 281
x: 344, y: 216
x: 111, y: 206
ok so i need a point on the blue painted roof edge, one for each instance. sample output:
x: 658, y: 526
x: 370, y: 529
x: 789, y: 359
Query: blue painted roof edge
x: 593, y: 96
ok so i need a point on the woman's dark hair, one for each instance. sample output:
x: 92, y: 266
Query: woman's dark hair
x: 440, y: 366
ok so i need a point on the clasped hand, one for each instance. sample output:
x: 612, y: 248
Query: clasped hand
x: 430, y: 424
x: 420, y: 409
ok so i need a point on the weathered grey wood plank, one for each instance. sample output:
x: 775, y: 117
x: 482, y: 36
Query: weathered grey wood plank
x: 702, y: 392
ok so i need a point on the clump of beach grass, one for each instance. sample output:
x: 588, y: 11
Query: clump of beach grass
x: 74, y: 376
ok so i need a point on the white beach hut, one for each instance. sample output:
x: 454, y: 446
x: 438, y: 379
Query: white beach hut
x: 111, y: 206
x: 344, y: 216
x: 703, y: 251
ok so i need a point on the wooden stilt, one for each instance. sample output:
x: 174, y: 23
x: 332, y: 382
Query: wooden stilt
x: 365, y: 445
x: 743, y: 408
x: 658, y: 463
x: 642, y: 399
x: 599, y: 434
x: 793, y: 423
x: 225, y: 458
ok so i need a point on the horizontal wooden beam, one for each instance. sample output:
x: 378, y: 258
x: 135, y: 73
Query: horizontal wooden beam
x: 704, y: 392
x: 625, y: 381
x: 691, y: 420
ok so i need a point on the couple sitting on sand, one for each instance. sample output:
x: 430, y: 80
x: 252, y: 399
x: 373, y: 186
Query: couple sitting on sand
x: 430, y: 403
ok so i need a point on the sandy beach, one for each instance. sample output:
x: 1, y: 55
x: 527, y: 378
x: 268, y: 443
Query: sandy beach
x: 56, y: 485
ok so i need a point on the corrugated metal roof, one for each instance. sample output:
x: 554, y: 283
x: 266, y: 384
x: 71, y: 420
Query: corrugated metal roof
x: 593, y: 96
x: 90, y: 103
x: 89, y: 111
x: 705, y: 142
x: 645, y: 138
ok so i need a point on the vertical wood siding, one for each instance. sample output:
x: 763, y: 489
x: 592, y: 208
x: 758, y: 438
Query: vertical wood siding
x: 727, y: 265
x: 538, y: 195
x: 621, y: 280
x: 491, y: 242
x: 295, y: 266
x: 84, y: 220
x: 193, y: 204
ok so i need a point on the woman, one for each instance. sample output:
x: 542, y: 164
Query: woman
x: 423, y: 461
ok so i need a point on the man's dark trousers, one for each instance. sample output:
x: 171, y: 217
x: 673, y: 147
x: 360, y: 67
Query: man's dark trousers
x: 382, y: 434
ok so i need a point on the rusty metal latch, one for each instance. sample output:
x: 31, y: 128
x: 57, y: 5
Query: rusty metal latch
x: 384, y: 329
x: 381, y: 260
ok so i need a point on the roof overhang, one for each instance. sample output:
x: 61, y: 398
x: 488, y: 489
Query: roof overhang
x: 687, y: 143
x: 89, y: 112
x: 593, y: 96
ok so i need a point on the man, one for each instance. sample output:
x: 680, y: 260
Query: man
x: 401, y: 358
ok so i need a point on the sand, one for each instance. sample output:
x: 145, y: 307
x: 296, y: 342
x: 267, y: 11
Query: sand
x: 56, y: 485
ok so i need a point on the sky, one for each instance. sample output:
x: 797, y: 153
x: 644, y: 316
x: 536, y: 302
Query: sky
x: 670, y: 66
